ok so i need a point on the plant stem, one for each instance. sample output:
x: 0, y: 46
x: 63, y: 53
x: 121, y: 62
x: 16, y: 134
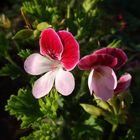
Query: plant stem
x: 114, y: 127
x: 82, y: 86
x: 68, y: 12
x: 25, y: 18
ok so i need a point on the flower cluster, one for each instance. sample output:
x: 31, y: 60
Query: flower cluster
x: 59, y: 54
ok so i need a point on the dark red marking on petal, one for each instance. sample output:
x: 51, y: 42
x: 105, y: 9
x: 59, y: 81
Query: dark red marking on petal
x: 50, y: 44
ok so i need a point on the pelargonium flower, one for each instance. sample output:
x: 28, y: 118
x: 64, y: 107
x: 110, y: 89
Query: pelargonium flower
x: 102, y: 78
x: 59, y: 53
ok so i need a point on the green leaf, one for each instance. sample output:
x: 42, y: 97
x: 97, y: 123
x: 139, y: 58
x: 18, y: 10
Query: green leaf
x: 115, y: 44
x: 103, y: 104
x: 87, y: 129
x: 44, y: 131
x: 10, y: 70
x: 24, y: 107
x: 93, y: 110
x: 49, y: 104
x: 24, y: 53
x: 92, y: 122
x: 43, y: 25
x: 23, y: 34
x: 36, y: 33
x: 88, y: 4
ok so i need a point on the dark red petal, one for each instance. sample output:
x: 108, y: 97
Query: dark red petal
x: 50, y: 44
x: 90, y: 61
x: 70, y: 55
x: 115, y: 52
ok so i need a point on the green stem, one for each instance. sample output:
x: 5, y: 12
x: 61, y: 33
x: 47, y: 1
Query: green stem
x: 114, y: 106
x: 68, y: 12
x: 25, y: 18
x: 114, y: 127
x: 82, y: 86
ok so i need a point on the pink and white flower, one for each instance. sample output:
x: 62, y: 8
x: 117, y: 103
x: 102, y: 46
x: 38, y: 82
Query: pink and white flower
x: 59, y: 53
x: 102, y: 78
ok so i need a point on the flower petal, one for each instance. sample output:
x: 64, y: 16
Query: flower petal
x: 64, y: 82
x: 44, y: 84
x: 37, y: 64
x: 90, y: 77
x: 70, y: 56
x: 123, y: 83
x: 103, y: 82
x: 90, y: 61
x: 50, y: 44
x: 115, y: 52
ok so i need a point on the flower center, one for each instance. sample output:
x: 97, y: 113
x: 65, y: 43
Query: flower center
x: 53, y: 64
x: 56, y: 64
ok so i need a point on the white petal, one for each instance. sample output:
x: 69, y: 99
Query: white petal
x: 37, y: 64
x: 90, y: 77
x: 64, y: 82
x: 44, y: 84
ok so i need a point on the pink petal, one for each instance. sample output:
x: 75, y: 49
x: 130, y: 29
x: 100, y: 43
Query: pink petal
x: 90, y: 61
x: 50, y: 44
x: 103, y: 82
x: 36, y: 64
x: 44, y: 84
x: 115, y: 52
x: 70, y: 56
x: 123, y: 83
x: 64, y: 82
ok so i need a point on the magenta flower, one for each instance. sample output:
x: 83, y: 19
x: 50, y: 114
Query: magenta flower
x: 102, y: 78
x: 59, y: 53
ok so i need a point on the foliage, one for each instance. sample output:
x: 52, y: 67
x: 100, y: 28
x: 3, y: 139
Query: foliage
x: 95, y: 24
x: 44, y: 131
x: 24, y: 107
